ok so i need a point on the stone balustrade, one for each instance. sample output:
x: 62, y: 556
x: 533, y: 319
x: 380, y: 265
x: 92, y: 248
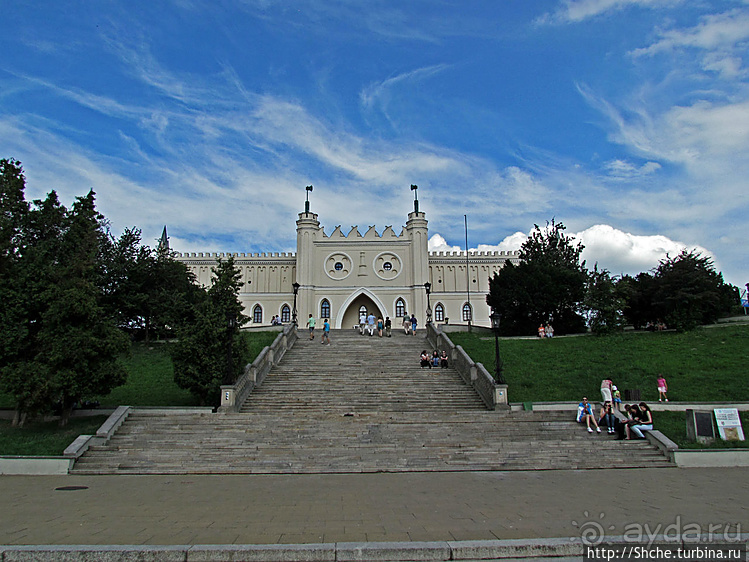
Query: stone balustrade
x: 233, y: 396
x: 474, y: 374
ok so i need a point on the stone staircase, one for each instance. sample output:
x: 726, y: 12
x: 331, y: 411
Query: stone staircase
x: 362, y: 404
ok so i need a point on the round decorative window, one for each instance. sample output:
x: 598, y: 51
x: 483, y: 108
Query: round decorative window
x: 338, y: 266
x: 387, y: 266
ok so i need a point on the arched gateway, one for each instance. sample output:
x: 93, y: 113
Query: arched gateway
x: 359, y: 301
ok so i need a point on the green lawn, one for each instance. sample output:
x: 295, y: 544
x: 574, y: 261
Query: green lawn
x: 40, y: 438
x: 150, y: 382
x: 708, y: 364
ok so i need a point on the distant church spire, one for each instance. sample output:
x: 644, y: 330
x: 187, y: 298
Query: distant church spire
x: 163, y: 243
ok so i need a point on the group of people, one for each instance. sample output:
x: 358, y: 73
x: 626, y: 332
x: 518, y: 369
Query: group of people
x: 546, y: 331
x: 276, y: 321
x: 325, y: 329
x: 370, y: 324
x: 638, y: 419
x: 436, y: 360
x: 409, y: 324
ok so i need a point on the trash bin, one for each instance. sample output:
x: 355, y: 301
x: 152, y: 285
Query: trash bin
x: 632, y: 395
x: 528, y: 406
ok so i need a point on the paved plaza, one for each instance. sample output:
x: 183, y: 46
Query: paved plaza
x: 289, y: 509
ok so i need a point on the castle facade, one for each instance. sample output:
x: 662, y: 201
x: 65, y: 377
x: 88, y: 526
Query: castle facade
x: 340, y: 275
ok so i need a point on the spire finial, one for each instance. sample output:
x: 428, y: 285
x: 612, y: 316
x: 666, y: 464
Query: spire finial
x: 306, y: 203
x: 415, y: 189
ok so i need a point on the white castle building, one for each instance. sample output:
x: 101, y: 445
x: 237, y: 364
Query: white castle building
x: 338, y: 276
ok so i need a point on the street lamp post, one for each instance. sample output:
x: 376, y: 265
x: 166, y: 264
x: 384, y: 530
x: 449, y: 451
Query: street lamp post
x: 498, y: 363
x: 231, y: 322
x: 428, y: 288
x: 294, y: 311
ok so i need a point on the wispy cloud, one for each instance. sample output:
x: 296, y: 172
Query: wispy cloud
x: 574, y: 11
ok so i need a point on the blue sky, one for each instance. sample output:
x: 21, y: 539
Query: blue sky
x: 627, y: 120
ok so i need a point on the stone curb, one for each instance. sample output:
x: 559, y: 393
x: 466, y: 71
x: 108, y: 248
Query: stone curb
x: 507, y: 550
x: 325, y: 552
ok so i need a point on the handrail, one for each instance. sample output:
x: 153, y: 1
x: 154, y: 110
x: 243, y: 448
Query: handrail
x: 234, y: 395
x: 474, y: 374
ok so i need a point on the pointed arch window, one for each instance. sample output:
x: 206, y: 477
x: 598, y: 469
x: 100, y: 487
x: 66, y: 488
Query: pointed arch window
x: 400, y: 308
x: 467, y: 312
x: 285, y: 313
x: 439, y: 312
x: 325, y: 309
x: 257, y: 314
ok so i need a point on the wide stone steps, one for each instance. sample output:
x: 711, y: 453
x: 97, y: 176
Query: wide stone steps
x: 361, y: 374
x: 258, y: 443
x: 362, y: 404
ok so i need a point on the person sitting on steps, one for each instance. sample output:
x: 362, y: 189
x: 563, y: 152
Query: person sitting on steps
x: 607, y: 418
x: 585, y: 414
x: 443, y: 359
x: 645, y: 423
x: 425, y: 360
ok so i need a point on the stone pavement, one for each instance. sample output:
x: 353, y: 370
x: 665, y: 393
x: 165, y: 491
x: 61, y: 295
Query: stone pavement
x: 294, y: 509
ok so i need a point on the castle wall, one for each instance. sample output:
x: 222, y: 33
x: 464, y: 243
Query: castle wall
x: 382, y: 272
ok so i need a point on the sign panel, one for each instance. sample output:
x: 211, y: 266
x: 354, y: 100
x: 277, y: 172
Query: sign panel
x: 729, y: 424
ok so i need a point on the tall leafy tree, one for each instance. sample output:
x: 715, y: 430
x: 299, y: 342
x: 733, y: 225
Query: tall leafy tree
x: 548, y: 285
x: 79, y: 343
x: 603, y: 303
x: 210, y: 351
x: 690, y: 292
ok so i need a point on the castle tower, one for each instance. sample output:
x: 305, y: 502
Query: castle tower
x: 418, y: 235
x: 307, y: 232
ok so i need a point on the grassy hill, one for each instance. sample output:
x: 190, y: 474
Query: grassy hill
x: 708, y: 364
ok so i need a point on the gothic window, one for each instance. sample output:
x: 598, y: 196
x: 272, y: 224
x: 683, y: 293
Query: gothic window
x: 400, y: 308
x: 325, y: 309
x: 439, y: 313
x: 338, y: 266
x: 363, y: 310
x: 467, y: 313
x: 285, y: 313
x: 257, y: 314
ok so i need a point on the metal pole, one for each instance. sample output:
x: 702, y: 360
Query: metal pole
x: 468, y: 275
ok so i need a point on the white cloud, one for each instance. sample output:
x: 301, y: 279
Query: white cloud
x: 573, y: 11
x: 623, y: 252
x: 625, y: 169
x: 615, y: 250
x: 715, y: 31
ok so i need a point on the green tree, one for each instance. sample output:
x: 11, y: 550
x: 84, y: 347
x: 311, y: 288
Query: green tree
x: 690, y: 292
x: 79, y: 343
x: 603, y: 303
x: 210, y: 351
x: 148, y: 291
x: 638, y: 293
x: 547, y: 285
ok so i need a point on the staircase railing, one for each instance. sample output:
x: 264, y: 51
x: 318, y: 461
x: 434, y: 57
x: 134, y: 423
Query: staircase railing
x: 474, y: 374
x: 234, y: 395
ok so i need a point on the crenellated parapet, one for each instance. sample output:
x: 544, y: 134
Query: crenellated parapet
x: 236, y: 255
x: 355, y: 236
